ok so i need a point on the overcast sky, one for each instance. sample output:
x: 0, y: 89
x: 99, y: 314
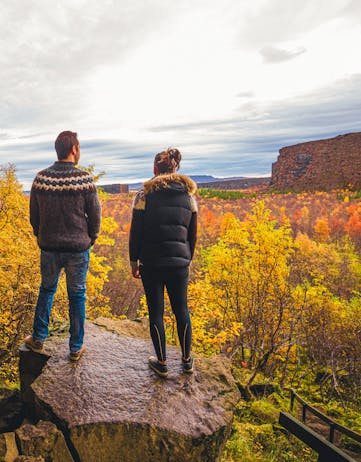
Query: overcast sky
x: 227, y: 82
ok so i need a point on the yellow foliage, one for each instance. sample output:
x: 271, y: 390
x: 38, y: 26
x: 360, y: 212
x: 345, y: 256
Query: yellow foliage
x: 97, y: 302
x: 322, y: 229
x: 241, y: 299
x: 20, y: 276
x: 18, y: 280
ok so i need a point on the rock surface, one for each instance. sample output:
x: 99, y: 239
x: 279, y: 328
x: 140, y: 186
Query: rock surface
x: 138, y: 328
x: 29, y: 459
x: 8, y: 448
x: 11, y: 410
x: 114, y: 408
x: 45, y: 440
x: 333, y: 163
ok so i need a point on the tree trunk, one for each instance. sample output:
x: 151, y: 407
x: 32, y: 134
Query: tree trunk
x: 285, y: 367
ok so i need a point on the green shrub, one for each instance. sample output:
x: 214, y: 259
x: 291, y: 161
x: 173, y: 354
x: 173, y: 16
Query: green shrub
x: 256, y: 443
x: 210, y: 193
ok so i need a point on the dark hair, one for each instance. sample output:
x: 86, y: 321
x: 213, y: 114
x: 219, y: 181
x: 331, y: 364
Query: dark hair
x: 64, y: 144
x: 168, y: 161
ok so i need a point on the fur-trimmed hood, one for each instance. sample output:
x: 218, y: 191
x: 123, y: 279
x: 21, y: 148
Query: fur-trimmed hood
x: 164, y: 181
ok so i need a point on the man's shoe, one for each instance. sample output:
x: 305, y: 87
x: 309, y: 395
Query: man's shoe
x: 76, y: 355
x: 33, y: 345
x: 158, y: 368
x: 188, y: 365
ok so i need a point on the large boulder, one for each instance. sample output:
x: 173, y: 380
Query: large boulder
x: 112, y: 407
x: 45, y: 440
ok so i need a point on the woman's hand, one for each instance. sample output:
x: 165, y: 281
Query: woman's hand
x: 135, y: 269
x: 136, y: 273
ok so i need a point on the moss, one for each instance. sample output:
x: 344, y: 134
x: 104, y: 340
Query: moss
x: 280, y: 401
x: 241, y: 446
x: 252, y: 443
x: 256, y: 436
x: 263, y: 411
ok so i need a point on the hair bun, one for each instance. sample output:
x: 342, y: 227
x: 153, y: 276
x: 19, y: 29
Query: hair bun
x: 174, y: 154
x: 168, y: 161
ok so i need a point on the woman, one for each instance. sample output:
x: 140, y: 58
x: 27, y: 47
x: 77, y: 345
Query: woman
x: 161, y: 246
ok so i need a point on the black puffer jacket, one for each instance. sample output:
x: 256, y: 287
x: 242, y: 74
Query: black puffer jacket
x: 164, y: 222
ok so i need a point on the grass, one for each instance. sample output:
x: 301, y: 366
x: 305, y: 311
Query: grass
x: 257, y: 437
x: 209, y: 193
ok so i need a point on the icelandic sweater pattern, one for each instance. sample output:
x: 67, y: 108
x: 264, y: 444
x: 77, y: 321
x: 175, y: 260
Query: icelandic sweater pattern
x: 59, y: 179
x: 64, y: 208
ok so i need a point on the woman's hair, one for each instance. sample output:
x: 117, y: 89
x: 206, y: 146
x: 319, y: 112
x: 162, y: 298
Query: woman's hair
x: 168, y: 161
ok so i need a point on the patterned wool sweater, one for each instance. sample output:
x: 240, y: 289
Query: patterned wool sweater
x: 65, y: 211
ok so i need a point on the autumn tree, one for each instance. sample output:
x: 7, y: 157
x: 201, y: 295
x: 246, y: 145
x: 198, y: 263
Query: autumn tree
x: 327, y: 279
x: 241, y: 303
x: 122, y: 290
x: 18, y: 280
x: 19, y: 283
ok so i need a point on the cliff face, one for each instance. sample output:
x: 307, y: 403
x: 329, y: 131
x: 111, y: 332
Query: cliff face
x: 333, y: 163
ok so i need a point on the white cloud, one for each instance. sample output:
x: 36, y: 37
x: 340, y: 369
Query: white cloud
x: 50, y: 51
x: 272, y: 54
x: 277, y: 21
x: 212, y: 77
x: 245, y: 144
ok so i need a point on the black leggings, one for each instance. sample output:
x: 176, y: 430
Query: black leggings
x: 176, y: 282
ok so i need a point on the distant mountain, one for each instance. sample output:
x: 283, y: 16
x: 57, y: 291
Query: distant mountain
x: 236, y: 183
x: 196, y: 178
x: 204, y: 178
x: 133, y: 186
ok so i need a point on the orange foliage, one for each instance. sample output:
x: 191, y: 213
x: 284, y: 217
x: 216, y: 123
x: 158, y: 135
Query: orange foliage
x: 323, y: 216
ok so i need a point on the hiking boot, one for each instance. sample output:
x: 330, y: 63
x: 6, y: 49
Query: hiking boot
x: 76, y: 355
x: 188, y: 365
x: 33, y: 345
x: 158, y: 368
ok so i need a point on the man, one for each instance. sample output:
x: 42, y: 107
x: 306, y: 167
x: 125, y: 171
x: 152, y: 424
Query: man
x: 65, y: 215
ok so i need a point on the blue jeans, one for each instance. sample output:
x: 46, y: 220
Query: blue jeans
x: 76, y: 266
